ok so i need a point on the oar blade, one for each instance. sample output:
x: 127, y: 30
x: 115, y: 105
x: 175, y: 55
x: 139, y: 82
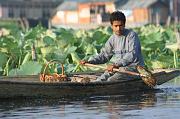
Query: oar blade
x: 147, y: 76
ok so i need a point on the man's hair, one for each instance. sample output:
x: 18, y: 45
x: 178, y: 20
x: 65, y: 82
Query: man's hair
x: 117, y: 16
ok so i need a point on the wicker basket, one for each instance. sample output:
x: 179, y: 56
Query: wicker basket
x: 55, y: 77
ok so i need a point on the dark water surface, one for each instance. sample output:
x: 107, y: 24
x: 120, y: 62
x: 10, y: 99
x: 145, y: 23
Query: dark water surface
x: 163, y: 103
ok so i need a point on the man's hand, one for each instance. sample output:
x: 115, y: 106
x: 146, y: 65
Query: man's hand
x: 110, y: 67
x: 82, y: 62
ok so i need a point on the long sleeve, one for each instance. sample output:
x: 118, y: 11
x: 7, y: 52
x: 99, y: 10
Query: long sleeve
x: 105, y: 54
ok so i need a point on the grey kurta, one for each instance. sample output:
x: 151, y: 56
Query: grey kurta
x: 125, y: 50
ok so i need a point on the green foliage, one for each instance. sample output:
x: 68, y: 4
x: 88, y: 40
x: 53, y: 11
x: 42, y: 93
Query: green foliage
x: 11, y: 25
x: 155, y: 40
x: 69, y: 46
x: 3, y: 58
x: 28, y: 68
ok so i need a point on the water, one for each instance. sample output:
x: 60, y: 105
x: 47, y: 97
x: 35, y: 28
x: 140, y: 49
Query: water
x: 159, y: 104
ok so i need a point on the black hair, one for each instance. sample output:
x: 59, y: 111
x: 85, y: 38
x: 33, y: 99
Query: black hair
x: 117, y: 16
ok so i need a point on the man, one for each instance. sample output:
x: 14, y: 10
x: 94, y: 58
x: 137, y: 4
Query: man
x: 124, y: 46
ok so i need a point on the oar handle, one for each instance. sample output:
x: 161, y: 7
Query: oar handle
x: 114, y: 69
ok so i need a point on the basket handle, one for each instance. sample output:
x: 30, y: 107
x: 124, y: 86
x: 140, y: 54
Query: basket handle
x: 54, y: 61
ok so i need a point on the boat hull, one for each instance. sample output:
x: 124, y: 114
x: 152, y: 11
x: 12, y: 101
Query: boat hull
x: 31, y: 87
x: 57, y: 90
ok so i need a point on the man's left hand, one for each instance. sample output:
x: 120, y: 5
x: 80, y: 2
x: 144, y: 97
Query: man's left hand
x: 110, y: 68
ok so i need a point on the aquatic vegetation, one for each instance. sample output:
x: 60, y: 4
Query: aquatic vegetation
x: 69, y: 46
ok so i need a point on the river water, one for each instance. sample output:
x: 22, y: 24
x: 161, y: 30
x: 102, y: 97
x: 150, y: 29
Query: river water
x: 163, y: 103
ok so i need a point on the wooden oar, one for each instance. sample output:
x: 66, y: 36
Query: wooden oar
x: 145, y: 74
x: 114, y: 69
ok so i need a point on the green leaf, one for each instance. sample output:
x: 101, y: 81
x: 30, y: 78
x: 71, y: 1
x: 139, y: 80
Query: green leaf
x: 99, y: 37
x: 3, y: 59
x: 173, y: 47
x: 29, y: 68
x: 26, y: 58
x: 90, y: 50
x: 70, y: 49
x: 48, y: 41
x: 59, y: 55
x: 75, y: 58
x: 62, y: 44
x: 169, y: 35
x: 33, y: 33
x: 47, y: 50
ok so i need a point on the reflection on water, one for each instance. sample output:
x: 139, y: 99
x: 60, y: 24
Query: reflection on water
x: 163, y: 103
x: 104, y: 107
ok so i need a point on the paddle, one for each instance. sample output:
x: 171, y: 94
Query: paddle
x: 145, y: 74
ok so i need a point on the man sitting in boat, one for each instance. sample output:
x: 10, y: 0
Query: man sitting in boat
x: 123, y: 45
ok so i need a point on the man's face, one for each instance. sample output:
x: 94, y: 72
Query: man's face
x: 117, y: 27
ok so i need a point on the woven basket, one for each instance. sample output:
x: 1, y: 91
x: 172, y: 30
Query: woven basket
x: 53, y: 77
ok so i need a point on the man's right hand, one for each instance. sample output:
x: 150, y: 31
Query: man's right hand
x: 82, y: 62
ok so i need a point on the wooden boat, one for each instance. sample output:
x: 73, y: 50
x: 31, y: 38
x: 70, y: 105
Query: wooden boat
x: 31, y: 86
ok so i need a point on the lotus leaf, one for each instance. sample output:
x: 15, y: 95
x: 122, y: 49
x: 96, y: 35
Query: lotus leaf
x: 3, y: 59
x: 28, y: 68
x: 48, y: 41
